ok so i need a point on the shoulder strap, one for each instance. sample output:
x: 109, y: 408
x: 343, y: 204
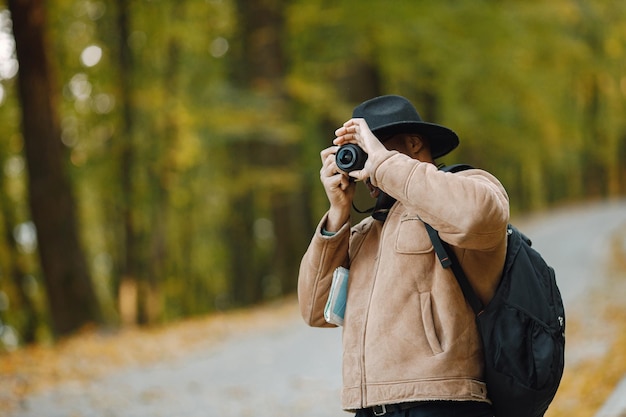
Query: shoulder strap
x: 449, y: 260
x: 447, y: 257
x: 455, y: 168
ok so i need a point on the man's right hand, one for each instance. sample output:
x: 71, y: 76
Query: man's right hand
x: 339, y: 190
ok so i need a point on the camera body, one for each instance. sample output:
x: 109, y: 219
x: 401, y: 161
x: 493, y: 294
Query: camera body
x: 350, y: 158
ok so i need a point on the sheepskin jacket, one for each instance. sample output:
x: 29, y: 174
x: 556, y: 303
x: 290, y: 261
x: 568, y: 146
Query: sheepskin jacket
x: 409, y: 334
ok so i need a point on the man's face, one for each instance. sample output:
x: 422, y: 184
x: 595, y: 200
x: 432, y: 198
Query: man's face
x: 398, y: 143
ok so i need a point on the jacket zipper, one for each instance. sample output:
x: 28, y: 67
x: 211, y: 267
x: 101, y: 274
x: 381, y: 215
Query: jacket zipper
x: 367, y: 312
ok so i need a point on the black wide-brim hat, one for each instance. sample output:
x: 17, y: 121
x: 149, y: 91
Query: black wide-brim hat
x: 390, y: 115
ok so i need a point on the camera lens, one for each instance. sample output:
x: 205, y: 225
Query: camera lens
x: 350, y: 157
x: 346, y: 157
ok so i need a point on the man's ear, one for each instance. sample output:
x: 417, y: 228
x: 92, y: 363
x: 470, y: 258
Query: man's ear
x: 419, y: 148
x: 416, y: 144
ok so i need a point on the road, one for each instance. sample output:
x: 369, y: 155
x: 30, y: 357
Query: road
x: 290, y: 369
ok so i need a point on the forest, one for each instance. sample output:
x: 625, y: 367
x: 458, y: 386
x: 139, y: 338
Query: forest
x: 160, y: 159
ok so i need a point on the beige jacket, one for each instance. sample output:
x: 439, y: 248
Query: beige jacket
x: 408, y: 333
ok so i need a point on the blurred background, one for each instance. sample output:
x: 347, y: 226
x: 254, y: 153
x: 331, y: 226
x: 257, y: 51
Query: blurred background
x: 160, y: 159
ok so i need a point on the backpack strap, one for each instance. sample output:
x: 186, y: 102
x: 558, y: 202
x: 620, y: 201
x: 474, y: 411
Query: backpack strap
x: 455, y: 168
x: 440, y: 250
x: 448, y: 259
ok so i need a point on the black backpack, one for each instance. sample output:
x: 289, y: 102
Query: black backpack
x: 522, y: 327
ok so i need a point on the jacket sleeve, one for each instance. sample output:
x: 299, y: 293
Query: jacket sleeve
x: 323, y: 256
x: 470, y: 209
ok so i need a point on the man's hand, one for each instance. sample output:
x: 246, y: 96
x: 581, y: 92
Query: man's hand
x: 339, y: 190
x: 358, y: 132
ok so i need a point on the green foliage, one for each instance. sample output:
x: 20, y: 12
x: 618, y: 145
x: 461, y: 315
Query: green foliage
x: 535, y: 90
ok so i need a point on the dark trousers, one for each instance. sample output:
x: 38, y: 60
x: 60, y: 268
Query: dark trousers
x: 438, y: 409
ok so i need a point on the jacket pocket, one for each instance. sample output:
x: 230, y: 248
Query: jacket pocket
x: 428, y: 322
x: 412, y: 237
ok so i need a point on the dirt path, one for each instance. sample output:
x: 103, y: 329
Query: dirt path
x: 269, y: 364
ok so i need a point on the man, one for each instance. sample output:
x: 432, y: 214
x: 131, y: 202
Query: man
x: 410, y: 343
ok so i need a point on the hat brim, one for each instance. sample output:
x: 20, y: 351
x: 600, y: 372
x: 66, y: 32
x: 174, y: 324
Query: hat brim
x: 441, y: 139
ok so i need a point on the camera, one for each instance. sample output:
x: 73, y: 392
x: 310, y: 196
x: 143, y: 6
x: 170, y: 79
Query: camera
x: 350, y: 157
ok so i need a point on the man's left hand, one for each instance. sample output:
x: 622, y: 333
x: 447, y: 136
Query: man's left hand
x: 358, y: 132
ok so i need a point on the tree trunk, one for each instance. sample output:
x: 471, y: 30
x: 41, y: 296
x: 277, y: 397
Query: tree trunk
x: 128, y: 291
x: 71, y: 296
x: 162, y: 174
x: 260, y: 65
x: 261, y: 25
